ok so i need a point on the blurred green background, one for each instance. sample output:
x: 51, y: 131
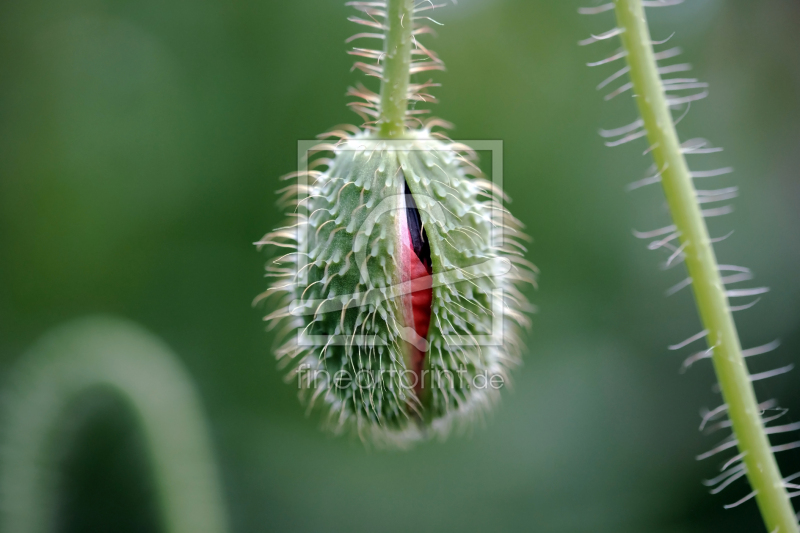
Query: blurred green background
x: 140, y: 145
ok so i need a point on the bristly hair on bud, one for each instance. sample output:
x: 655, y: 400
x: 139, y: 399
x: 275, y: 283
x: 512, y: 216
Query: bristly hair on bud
x: 397, y: 277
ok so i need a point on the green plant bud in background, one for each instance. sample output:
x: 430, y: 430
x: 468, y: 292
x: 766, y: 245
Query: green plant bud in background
x: 399, y: 269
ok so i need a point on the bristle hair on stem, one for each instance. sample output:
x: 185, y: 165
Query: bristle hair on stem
x: 657, y: 98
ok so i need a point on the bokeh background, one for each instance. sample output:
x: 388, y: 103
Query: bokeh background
x: 141, y: 144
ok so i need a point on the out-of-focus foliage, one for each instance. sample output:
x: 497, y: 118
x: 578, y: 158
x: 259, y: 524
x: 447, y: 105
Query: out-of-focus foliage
x: 141, y: 144
x: 113, y: 362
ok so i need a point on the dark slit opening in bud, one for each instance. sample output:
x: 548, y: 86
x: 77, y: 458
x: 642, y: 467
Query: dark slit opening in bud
x: 422, y: 300
x: 419, y: 239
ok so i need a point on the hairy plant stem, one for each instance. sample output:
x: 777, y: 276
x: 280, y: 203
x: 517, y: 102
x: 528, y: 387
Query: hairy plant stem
x: 396, y: 66
x: 709, y: 291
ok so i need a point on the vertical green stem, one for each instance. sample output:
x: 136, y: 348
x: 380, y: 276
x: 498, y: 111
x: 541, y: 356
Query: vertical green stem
x: 709, y: 292
x: 396, y: 66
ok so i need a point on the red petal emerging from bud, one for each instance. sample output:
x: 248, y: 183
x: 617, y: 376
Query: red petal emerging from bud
x: 417, y: 304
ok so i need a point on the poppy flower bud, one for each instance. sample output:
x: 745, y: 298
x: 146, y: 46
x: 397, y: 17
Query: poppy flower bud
x: 402, y: 289
x: 400, y: 268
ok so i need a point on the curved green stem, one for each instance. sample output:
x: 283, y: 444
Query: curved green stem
x: 709, y: 291
x: 117, y: 356
x: 396, y: 67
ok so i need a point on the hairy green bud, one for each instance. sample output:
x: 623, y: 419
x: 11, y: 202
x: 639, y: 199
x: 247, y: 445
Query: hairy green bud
x: 399, y: 292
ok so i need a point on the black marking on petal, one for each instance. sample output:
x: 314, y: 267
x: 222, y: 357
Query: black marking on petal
x: 419, y: 239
